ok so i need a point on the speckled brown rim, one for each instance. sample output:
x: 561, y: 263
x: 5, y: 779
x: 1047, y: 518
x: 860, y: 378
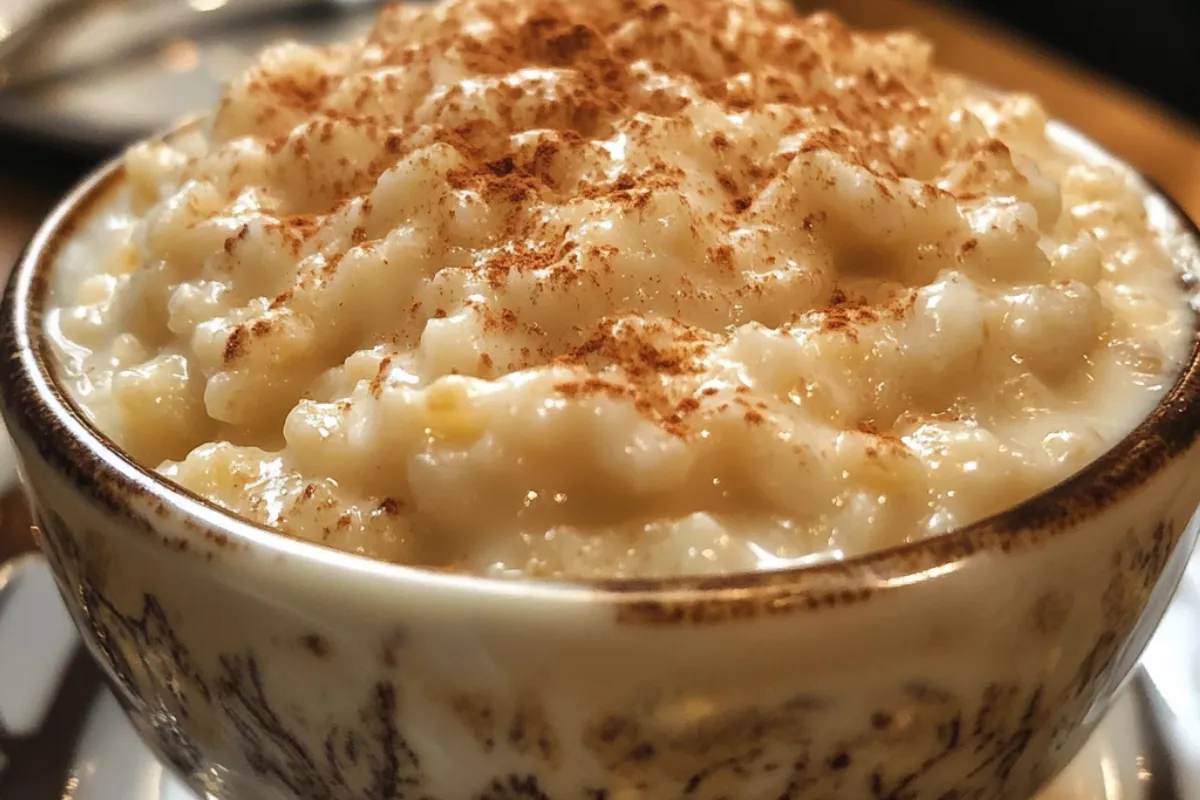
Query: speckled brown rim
x: 33, y: 403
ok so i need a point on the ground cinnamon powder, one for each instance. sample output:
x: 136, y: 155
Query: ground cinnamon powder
x: 748, y: 57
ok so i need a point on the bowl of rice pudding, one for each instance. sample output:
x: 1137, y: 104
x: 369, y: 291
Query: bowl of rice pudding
x: 620, y: 400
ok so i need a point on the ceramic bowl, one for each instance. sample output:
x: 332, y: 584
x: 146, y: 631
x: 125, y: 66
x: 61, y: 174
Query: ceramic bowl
x: 968, y: 666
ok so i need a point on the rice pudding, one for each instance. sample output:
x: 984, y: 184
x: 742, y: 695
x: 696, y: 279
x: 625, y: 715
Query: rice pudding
x: 625, y: 288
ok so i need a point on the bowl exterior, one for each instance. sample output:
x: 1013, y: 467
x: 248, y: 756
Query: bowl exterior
x: 261, y: 673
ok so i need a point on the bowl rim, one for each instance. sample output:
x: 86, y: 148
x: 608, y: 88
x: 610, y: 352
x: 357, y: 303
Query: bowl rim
x: 34, y: 402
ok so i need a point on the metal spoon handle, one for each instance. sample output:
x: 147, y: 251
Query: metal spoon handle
x: 163, y: 22
x: 29, y: 33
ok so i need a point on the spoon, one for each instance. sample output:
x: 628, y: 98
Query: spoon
x: 28, y: 54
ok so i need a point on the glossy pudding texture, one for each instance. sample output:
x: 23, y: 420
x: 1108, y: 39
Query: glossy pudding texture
x: 630, y: 287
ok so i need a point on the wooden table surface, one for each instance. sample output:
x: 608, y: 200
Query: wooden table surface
x: 1163, y: 147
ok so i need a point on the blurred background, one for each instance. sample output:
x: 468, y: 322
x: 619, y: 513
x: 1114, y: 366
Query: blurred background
x: 79, y: 78
x: 1149, y: 45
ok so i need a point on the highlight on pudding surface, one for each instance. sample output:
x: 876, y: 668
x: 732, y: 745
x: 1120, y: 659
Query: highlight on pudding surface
x: 621, y: 288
